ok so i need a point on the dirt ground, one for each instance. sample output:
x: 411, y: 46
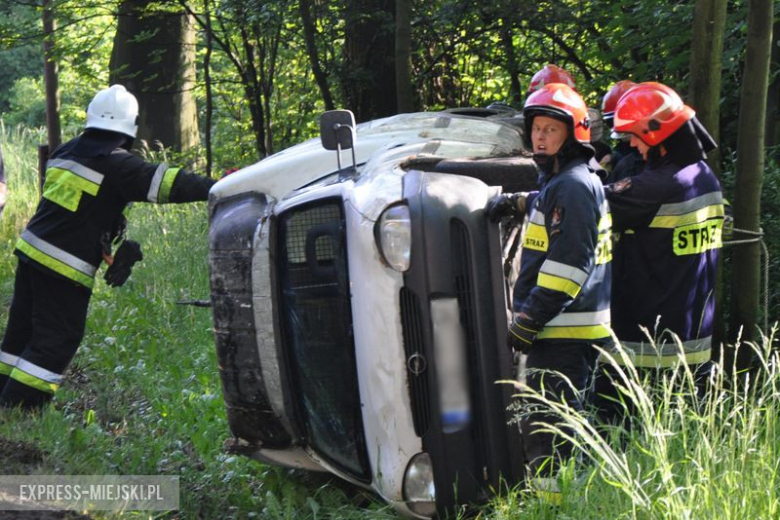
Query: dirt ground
x: 20, y: 458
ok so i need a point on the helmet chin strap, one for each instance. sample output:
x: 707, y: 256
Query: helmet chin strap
x: 548, y: 164
x: 654, y: 156
x: 551, y: 164
x: 128, y: 144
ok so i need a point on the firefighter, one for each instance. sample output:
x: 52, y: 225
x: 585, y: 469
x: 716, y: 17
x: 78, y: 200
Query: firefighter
x: 669, y: 219
x: 550, y: 74
x: 625, y: 160
x: 554, y: 74
x: 90, y: 181
x: 561, y: 298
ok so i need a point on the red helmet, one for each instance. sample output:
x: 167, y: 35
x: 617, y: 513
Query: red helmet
x: 610, y: 101
x: 560, y: 102
x: 550, y: 74
x: 652, y: 112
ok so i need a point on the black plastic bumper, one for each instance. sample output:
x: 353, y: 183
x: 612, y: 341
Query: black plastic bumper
x: 456, y: 253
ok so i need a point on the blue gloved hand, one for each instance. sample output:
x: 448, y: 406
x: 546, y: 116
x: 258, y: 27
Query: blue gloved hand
x: 522, y: 333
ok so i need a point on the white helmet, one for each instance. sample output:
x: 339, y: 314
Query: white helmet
x: 114, y: 109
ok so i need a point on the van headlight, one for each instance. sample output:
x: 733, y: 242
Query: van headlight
x: 393, y: 234
x: 419, y: 490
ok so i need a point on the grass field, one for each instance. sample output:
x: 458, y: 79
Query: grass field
x: 143, y: 397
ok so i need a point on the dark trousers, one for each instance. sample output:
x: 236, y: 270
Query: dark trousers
x: 45, y: 327
x: 615, y: 409
x: 547, y: 365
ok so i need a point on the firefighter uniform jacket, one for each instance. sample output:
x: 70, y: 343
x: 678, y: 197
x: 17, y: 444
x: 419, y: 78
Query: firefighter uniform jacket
x: 84, y: 197
x: 565, y: 276
x: 670, y: 222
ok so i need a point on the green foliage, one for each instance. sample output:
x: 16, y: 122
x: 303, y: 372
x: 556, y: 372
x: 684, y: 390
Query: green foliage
x: 19, y: 147
x: 770, y: 223
x: 19, y: 57
x: 82, y: 45
x: 459, y: 57
x: 17, y: 63
x: 27, y: 102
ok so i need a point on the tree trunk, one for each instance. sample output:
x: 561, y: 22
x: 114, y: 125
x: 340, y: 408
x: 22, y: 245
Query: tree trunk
x: 209, y: 93
x: 267, y: 59
x: 241, y: 53
x: 311, y: 49
x: 709, y: 20
x: 773, y: 101
x: 154, y: 58
x: 256, y: 111
x: 403, y: 55
x: 51, y: 78
x: 253, y: 93
x: 515, y: 90
x: 368, y: 75
x: 746, y: 287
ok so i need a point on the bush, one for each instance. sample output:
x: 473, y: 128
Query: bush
x: 27, y: 101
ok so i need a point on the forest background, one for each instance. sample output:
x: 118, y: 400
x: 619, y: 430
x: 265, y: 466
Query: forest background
x: 224, y: 83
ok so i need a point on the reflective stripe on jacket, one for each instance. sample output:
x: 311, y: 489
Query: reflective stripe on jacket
x: 670, y: 222
x: 565, y: 266
x: 56, y: 259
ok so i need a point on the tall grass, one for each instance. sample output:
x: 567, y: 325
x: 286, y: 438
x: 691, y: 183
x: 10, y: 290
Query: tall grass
x: 716, y: 457
x: 20, y: 156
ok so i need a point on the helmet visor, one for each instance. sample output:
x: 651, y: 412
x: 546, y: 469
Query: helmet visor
x: 621, y: 136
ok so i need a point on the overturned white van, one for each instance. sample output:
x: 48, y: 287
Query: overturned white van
x: 360, y: 311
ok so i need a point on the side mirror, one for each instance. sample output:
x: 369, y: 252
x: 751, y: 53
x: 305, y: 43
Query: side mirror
x: 337, y: 130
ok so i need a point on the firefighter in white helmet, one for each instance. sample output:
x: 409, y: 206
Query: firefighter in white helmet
x: 90, y: 181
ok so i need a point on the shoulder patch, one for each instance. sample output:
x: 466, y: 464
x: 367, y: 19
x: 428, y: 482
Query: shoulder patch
x: 555, y: 220
x: 621, y: 186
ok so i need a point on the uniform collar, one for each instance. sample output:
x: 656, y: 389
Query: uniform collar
x: 96, y: 143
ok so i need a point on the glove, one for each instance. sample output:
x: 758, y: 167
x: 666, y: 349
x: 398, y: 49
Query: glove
x: 522, y: 334
x: 506, y: 205
x: 126, y: 256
